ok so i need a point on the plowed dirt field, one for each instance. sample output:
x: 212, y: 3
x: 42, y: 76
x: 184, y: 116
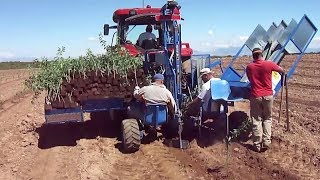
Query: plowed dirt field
x: 91, y: 150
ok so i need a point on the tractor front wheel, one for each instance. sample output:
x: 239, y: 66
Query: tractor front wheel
x: 130, y: 135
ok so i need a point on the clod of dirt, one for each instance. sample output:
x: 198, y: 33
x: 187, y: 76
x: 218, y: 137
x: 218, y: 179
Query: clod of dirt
x: 15, y: 101
x: 14, y: 170
x: 26, y: 126
x: 28, y: 140
x: 236, y: 149
x: 214, y: 170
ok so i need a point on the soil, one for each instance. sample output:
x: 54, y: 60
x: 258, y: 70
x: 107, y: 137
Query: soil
x: 92, y: 150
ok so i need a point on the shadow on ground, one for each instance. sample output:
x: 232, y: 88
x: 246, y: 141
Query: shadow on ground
x: 100, y: 124
x: 214, y: 130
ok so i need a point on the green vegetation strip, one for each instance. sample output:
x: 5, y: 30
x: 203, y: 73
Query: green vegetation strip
x: 52, y: 73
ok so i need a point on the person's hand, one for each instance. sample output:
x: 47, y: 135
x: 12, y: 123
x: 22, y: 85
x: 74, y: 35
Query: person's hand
x: 136, y: 88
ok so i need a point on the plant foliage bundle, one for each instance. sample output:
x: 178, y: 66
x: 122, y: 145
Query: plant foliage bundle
x: 54, y: 75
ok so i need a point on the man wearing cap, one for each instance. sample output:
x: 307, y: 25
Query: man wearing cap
x: 148, y: 35
x: 156, y: 93
x: 259, y: 73
x: 204, y: 96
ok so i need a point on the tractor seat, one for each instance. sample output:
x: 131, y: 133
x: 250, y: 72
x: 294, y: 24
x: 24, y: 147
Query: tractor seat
x: 156, y: 115
x: 149, y: 44
x: 218, y: 104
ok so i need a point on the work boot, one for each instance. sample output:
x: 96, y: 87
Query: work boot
x: 266, y: 146
x: 256, y: 148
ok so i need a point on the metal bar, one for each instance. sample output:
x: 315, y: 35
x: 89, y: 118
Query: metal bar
x: 201, y: 55
x: 293, y: 67
x: 287, y: 104
x: 296, y: 46
x: 280, y: 108
x: 156, y: 117
x: 289, y: 38
x: 236, y: 56
x: 311, y: 23
x: 227, y: 141
x: 215, y: 63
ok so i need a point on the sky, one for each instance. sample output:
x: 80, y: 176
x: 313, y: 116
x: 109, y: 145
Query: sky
x: 36, y: 28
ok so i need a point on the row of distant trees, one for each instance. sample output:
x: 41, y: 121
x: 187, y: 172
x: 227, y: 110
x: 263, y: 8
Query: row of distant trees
x: 34, y: 64
x: 17, y: 65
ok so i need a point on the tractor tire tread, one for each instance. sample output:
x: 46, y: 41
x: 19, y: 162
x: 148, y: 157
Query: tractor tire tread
x: 131, y: 135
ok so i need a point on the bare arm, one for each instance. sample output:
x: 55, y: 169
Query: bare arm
x: 281, y: 70
x: 277, y: 68
x: 138, y: 93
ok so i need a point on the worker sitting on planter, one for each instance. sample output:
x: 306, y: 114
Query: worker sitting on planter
x: 154, y: 94
x: 204, y: 97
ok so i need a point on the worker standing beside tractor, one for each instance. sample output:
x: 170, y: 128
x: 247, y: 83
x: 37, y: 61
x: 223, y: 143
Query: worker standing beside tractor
x: 259, y: 73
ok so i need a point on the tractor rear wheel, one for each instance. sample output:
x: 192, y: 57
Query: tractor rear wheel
x: 130, y: 135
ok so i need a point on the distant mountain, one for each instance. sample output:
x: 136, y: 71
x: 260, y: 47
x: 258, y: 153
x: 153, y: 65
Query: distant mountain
x: 215, y: 52
x: 220, y: 51
x: 313, y: 50
x: 22, y: 59
x: 234, y: 50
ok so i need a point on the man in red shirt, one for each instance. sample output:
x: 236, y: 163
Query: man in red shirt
x: 259, y: 73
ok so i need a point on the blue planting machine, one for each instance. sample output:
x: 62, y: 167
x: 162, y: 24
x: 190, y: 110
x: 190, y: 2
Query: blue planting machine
x: 276, y: 42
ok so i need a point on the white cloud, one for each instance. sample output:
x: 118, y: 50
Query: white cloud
x: 315, y: 43
x: 221, y: 45
x: 243, y: 38
x: 205, y: 44
x: 92, y: 38
x: 210, y: 32
x: 6, y: 55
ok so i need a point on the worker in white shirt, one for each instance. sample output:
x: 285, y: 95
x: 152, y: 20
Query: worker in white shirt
x: 204, y: 97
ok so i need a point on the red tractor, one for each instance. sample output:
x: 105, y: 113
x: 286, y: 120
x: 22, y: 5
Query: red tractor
x: 132, y: 22
x: 162, y: 52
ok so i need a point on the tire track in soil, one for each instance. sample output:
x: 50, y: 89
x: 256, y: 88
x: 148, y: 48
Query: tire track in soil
x: 154, y: 161
x: 8, y: 82
x: 297, y: 159
x: 309, y: 103
x: 297, y: 150
x: 301, y: 115
x: 14, y: 101
x: 242, y: 164
x: 304, y: 85
x: 55, y: 163
x: 16, y: 138
x: 24, y: 159
x: 10, y: 90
